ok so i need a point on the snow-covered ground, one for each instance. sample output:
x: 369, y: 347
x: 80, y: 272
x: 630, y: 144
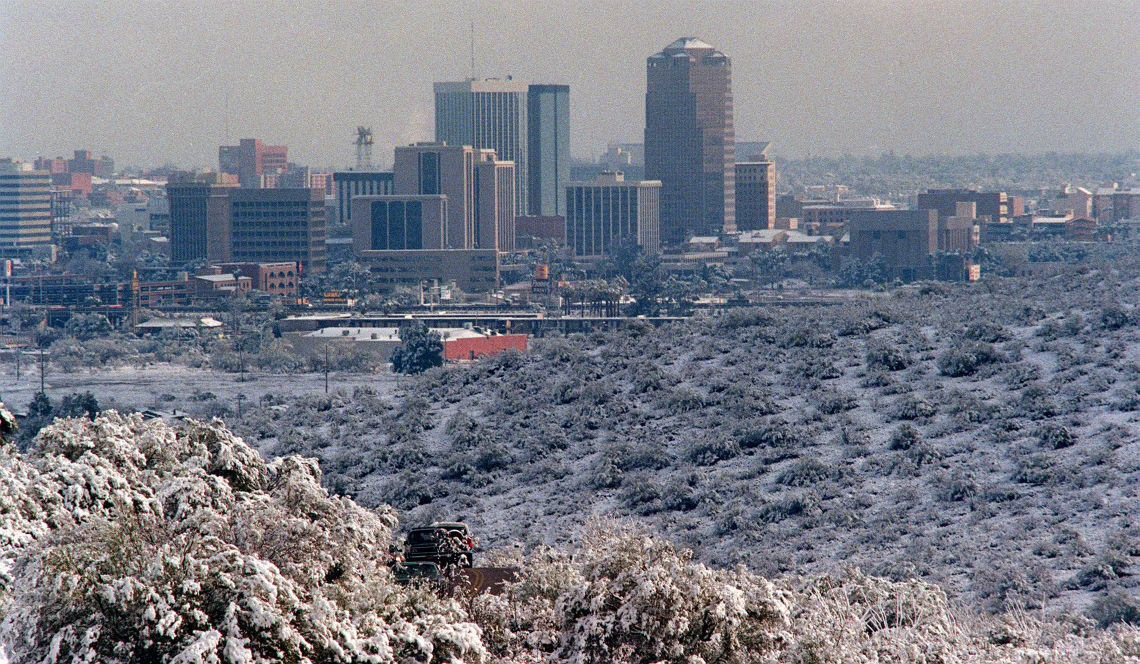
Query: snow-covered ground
x: 137, y: 388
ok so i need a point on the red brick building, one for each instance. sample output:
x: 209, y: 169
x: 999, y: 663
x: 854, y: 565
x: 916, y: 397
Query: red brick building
x: 250, y: 159
x: 273, y: 278
x: 473, y: 348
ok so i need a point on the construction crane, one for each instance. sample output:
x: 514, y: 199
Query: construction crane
x: 363, y: 148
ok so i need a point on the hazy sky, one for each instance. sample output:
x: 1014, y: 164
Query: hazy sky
x: 154, y: 82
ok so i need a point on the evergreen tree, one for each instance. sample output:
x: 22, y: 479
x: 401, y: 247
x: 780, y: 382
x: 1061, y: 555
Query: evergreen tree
x: 420, y: 350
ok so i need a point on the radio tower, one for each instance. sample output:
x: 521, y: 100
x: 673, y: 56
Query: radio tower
x: 363, y: 148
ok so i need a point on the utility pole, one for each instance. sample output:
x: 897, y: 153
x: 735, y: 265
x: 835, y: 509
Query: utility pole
x: 241, y: 355
x: 41, y: 369
x: 240, y: 397
x: 326, y: 367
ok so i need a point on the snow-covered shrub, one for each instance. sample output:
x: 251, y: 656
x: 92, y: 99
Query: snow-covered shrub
x: 904, y: 437
x: 966, y: 359
x: 885, y: 357
x: 641, y: 599
x: 775, y: 434
x: 1055, y: 437
x: 161, y: 544
x: 912, y: 408
x: 986, y: 331
x: 1116, y: 606
x: 707, y: 451
x: 807, y: 472
x: 832, y: 403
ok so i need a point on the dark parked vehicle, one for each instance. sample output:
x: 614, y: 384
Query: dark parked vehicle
x: 445, y: 543
x: 406, y: 572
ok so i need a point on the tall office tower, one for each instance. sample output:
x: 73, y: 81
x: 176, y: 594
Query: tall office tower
x: 486, y: 114
x: 755, y: 195
x: 350, y: 184
x: 610, y: 212
x: 250, y: 159
x: 426, y: 169
x: 25, y: 208
x: 689, y: 139
x: 199, y: 218
x: 548, y: 148
x: 278, y: 225
x: 494, y: 203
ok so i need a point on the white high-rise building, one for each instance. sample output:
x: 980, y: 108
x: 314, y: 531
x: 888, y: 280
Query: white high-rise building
x: 489, y: 114
x: 25, y: 208
x: 610, y: 213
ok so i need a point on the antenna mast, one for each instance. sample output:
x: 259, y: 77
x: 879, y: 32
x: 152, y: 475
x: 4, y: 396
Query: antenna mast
x: 472, y: 48
x: 363, y: 148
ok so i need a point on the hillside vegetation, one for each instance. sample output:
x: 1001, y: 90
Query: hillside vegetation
x: 982, y: 437
x: 131, y: 541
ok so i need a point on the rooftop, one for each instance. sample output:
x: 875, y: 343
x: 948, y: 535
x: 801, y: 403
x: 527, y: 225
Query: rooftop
x: 686, y: 43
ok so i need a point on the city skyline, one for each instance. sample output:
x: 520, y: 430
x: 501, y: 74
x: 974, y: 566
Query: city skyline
x: 151, y: 84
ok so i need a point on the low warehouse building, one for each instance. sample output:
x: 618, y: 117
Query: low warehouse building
x: 459, y: 343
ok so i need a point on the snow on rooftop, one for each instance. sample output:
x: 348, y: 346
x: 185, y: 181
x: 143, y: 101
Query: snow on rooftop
x: 388, y: 334
x: 687, y: 43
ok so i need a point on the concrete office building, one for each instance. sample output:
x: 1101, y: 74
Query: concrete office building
x: 480, y: 191
x: 494, y: 203
x: 755, y: 195
x: 349, y: 184
x: 398, y: 238
x: 199, y: 218
x: 992, y: 204
x: 907, y: 241
x: 25, y: 208
x: 398, y: 223
x: 548, y: 146
x: 429, y: 169
x: 690, y: 140
x: 84, y: 162
x: 278, y: 225
x: 250, y: 159
x: 611, y: 212
x: 487, y: 114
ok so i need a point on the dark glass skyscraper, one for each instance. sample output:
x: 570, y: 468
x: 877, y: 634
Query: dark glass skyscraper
x: 689, y: 139
x: 548, y: 145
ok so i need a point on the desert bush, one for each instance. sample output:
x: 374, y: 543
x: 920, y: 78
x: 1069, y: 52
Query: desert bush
x: 124, y: 572
x: 787, y: 507
x: 956, y: 486
x: 886, y: 358
x: 833, y: 403
x: 1056, y: 436
x: 966, y: 359
x: 1115, y: 317
x: 734, y: 319
x: 1116, y: 606
x: 986, y: 331
x: 774, y: 434
x: 708, y: 451
x: 912, y: 408
x: 904, y: 437
x: 807, y: 472
x: 683, y: 400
